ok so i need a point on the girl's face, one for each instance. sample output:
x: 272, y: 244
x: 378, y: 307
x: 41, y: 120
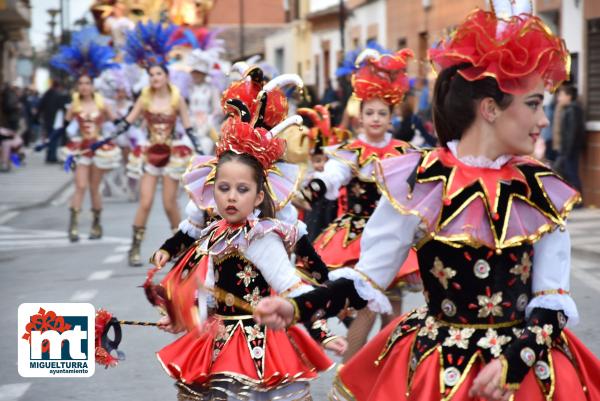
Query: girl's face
x: 121, y: 94
x: 158, y: 78
x: 518, y: 127
x: 84, y: 86
x: 375, y: 118
x: 236, y: 193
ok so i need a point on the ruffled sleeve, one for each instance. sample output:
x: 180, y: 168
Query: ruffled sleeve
x: 194, y: 221
x: 198, y: 181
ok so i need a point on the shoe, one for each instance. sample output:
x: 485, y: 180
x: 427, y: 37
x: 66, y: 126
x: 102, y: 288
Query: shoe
x: 73, y: 223
x: 96, y: 231
x: 135, y: 259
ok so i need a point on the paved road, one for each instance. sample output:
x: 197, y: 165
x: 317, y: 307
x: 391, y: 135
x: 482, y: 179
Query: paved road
x: 38, y: 264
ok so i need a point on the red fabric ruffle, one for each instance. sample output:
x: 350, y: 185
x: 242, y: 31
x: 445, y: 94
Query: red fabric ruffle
x: 289, y: 355
x: 388, y: 381
x: 511, y: 51
x: 335, y: 255
x: 383, y: 77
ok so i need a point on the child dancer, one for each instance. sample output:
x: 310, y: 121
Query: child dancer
x: 493, y: 250
x: 246, y: 260
x: 379, y: 83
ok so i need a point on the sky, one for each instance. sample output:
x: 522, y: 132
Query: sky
x: 40, y: 18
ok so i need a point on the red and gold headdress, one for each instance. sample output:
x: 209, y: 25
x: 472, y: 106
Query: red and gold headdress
x: 509, y: 47
x: 381, y: 76
x: 321, y: 134
x: 256, y: 116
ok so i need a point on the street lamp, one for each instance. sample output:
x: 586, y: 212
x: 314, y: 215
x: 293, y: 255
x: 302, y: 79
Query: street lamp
x: 53, y: 12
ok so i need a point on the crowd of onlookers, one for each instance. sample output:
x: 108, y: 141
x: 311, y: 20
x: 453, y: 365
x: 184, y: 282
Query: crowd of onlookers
x: 26, y: 119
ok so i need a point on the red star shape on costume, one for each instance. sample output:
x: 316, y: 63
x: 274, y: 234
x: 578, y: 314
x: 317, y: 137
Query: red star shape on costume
x: 490, y: 179
x: 368, y: 153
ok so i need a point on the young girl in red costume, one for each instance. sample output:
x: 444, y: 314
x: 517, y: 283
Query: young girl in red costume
x: 489, y: 224
x: 247, y: 259
x: 379, y: 83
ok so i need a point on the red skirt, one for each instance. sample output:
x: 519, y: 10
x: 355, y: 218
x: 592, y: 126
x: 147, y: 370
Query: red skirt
x: 360, y: 379
x: 337, y: 247
x: 288, y: 356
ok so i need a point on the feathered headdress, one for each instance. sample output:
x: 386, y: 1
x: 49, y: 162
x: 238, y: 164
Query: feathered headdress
x: 381, y: 76
x: 257, y: 115
x: 149, y: 44
x: 348, y: 65
x: 86, y: 55
x: 508, y: 44
x: 321, y: 134
x: 111, y: 80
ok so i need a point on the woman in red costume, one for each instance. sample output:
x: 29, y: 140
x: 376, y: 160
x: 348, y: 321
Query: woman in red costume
x: 489, y: 225
x: 379, y: 83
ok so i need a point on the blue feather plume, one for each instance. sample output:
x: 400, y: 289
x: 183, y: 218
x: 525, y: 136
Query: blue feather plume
x: 149, y: 44
x: 348, y: 66
x: 86, y: 55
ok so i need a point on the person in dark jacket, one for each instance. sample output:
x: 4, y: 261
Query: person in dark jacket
x: 572, y: 135
x: 407, y: 127
x: 53, y: 100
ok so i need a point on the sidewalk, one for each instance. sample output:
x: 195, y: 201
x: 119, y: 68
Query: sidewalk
x: 32, y: 185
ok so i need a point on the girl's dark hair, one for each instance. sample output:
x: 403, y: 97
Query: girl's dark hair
x: 455, y: 98
x: 267, y: 207
x: 161, y: 66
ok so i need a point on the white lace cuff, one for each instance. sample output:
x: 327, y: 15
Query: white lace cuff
x: 556, y: 302
x: 191, y: 229
x: 365, y: 287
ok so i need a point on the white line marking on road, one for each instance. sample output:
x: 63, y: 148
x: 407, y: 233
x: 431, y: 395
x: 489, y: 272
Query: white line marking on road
x: 8, y: 216
x: 122, y: 248
x: 12, y: 392
x: 100, y: 275
x: 116, y: 258
x: 589, y: 279
x: 83, y: 295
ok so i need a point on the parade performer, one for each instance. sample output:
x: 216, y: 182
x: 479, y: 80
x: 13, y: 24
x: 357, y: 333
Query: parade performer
x: 85, y: 59
x: 247, y: 259
x: 489, y: 223
x: 205, y: 108
x: 115, y: 85
x: 164, y: 154
x: 321, y: 135
x: 379, y: 83
x: 201, y: 210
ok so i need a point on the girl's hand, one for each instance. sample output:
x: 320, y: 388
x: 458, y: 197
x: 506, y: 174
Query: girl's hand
x: 274, y: 312
x: 160, y: 258
x: 164, y: 323
x: 339, y: 345
x: 487, y: 383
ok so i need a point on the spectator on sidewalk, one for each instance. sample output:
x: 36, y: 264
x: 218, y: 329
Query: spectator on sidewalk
x: 549, y: 108
x: 50, y: 104
x: 11, y: 107
x: 572, y: 135
x: 10, y: 142
x: 30, y: 101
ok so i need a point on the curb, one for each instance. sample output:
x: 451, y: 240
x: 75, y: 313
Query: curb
x: 39, y: 204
